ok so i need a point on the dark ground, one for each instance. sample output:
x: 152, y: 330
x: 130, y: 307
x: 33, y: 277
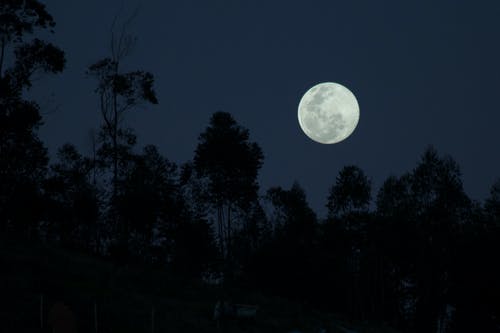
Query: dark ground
x: 125, y: 297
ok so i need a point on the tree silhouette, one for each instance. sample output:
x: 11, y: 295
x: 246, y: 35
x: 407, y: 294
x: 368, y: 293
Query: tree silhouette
x: 346, y: 231
x: 23, y: 158
x: 492, y: 204
x: 424, y: 260
x: 474, y: 289
x: 230, y: 163
x: 293, y: 217
x: 147, y: 189
x: 440, y: 204
x: 72, y: 200
x: 119, y: 92
x: 395, y: 241
x: 255, y: 230
x: 394, y: 198
x: 283, y: 264
x: 351, y: 192
x: 19, y: 19
x: 422, y: 213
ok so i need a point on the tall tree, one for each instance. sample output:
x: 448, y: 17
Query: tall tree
x: 119, y: 92
x: 230, y: 163
x: 394, y: 242
x: 440, y: 204
x: 148, y: 194
x: 23, y: 158
x: 283, y: 264
x: 348, y: 216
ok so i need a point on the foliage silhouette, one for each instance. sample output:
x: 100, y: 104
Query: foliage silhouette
x: 119, y: 92
x: 352, y: 191
x: 71, y: 200
x: 230, y: 163
x: 422, y: 260
x: 23, y: 158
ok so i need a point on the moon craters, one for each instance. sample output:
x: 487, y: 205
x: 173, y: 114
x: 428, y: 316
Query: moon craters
x: 328, y: 113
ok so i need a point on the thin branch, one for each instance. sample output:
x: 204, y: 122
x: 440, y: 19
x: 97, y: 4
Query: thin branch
x: 125, y: 42
x: 103, y: 111
x: 113, y: 23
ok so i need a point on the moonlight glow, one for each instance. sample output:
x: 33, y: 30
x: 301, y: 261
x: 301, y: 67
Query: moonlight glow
x: 328, y: 113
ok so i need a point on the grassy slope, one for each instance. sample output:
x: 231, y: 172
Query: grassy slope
x: 125, y: 297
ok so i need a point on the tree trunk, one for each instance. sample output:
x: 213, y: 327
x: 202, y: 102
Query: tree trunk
x: 228, y: 245
x: 220, y: 223
x: 2, y: 56
x: 115, y: 144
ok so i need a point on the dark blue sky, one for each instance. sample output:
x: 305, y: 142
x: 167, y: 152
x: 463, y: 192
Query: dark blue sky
x: 424, y: 72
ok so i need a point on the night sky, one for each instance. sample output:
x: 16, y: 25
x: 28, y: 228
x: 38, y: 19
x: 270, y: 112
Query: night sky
x: 424, y: 72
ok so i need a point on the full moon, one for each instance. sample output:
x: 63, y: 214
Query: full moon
x: 328, y: 113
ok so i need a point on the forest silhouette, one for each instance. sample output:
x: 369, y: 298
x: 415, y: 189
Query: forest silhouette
x: 419, y: 255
